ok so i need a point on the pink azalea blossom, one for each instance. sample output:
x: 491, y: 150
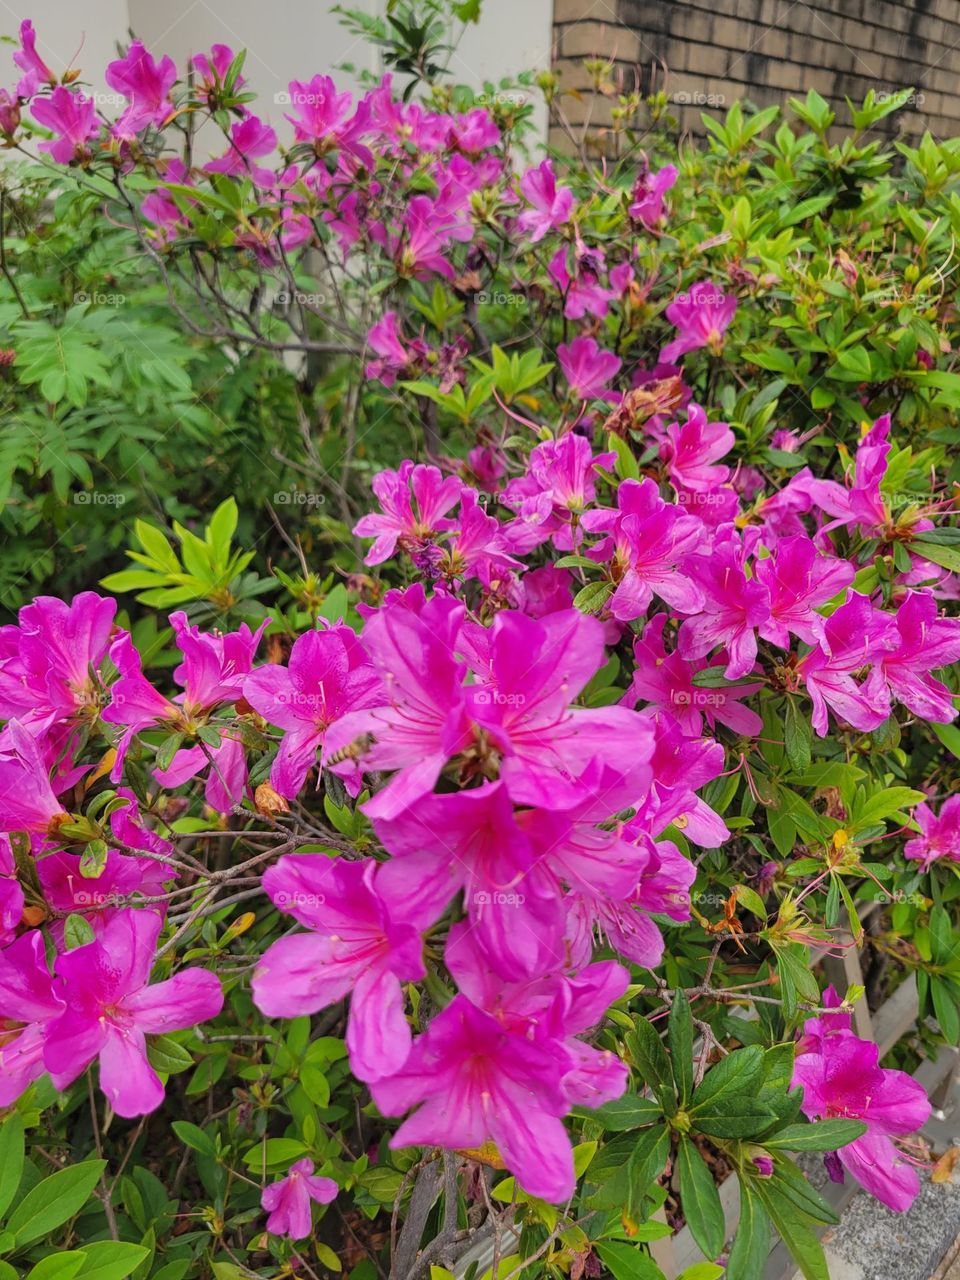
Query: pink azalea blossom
x: 71, y: 116
x: 551, y: 204
x: 469, y: 841
x: 146, y: 85
x: 474, y: 131
x: 360, y: 943
x: 735, y: 606
x: 939, y: 836
x: 472, y: 1081
x: 27, y: 800
x: 701, y: 316
x: 646, y: 541
x: 799, y: 579
x: 11, y: 893
x: 36, y: 71
x: 692, y: 449
x: 854, y: 641
x: 559, y: 485
x: 647, y: 197
x: 250, y: 139
x: 123, y: 876
x: 9, y: 113
x: 681, y: 766
x: 862, y: 503
x: 587, y: 368
x: 212, y: 71
x: 415, y: 501
x: 111, y: 1008
x: 323, y: 118
x: 666, y: 680
x: 288, y: 1200
x: 841, y: 1077
x: 30, y: 1000
x: 327, y: 675
x: 926, y: 641
x: 384, y: 340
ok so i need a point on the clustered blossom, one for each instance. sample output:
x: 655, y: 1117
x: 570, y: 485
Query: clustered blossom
x: 523, y: 823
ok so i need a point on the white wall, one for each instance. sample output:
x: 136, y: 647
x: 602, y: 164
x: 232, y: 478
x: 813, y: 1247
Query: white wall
x: 285, y: 39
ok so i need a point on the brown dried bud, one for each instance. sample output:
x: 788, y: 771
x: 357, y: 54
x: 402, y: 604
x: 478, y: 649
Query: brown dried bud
x: 269, y: 802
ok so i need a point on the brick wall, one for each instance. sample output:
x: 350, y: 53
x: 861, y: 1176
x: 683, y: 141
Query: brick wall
x: 716, y: 51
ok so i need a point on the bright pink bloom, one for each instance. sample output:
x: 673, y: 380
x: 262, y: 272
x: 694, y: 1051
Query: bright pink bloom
x: 666, y: 680
x: 841, y: 1077
x: 861, y: 503
x: 559, y: 485
x: 681, y: 766
x: 799, y: 579
x: 692, y: 449
x: 472, y: 1081
x: 213, y: 69
x: 551, y: 204
x: 28, y: 997
x: 384, y: 340
x: 50, y: 655
x: 250, y: 139
x: 9, y: 113
x: 647, y: 539
x: 423, y: 720
x: 328, y: 674
x: 323, y: 118
x: 360, y: 944
x: 27, y: 800
x: 474, y: 131
x: 939, y: 836
x: 587, y: 367
x: 852, y: 645
x: 419, y: 249
x: 553, y: 1010
x: 30, y: 62
x: 11, y: 893
x: 926, y: 641
x: 288, y: 1200
x: 647, y: 197
x: 477, y: 546
x: 415, y: 501
x: 97, y: 899
x: 734, y: 607
x: 146, y: 85
x: 469, y: 841
x: 702, y: 316
x: 70, y: 115
x: 536, y: 669
x: 111, y: 1009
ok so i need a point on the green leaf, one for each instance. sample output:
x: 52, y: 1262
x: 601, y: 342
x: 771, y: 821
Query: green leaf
x: 111, y: 1260
x: 274, y: 1152
x: 646, y: 1049
x: 824, y: 1135
x: 751, y: 1244
x: 592, y: 597
x: 51, y: 1202
x: 11, y: 1159
x: 623, y: 1114
x: 193, y: 1137
x: 734, y: 1117
x: 795, y: 1232
x: 57, y: 1266
x: 739, y: 1074
x: 700, y: 1200
x: 165, y: 1054
x: 626, y: 464
x: 680, y: 1040
x: 627, y: 1261
x: 798, y: 736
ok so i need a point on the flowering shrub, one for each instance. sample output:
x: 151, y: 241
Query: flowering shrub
x: 630, y: 708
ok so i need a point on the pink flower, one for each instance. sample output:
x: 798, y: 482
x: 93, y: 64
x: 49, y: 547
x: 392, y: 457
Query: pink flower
x: 146, y: 85
x: 27, y: 800
x: 734, y: 607
x: 469, y: 841
x: 560, y: 484
x: 288, y: 1200
x: 415, y: 501
x: 212, y: 71
x: 799, y: 579
x: 323, y: 118
x: 472, y: 1082
x: 249, y: 140
x: 553, y: 1010
x: 29, y: 997
x: 551, y: 204
x: 702, y: 316
x: 666, y: 680
x: 647, y: 197
x: 587, y: 367
x: 939, y: 834
x: 9, y: 113
x: 691, y: 450
x: 423, y: 719
x: 861, y: 503
x: 384, y: 340
x: 474, y: 131
x: 328, y: 674
x: 680, y: 767
x: 70, y: 115
x: 646, y: 541
x: 68, y: 890
x: 30, y: 62
x: 360, y: 944
x: 926, y: 641
x: 111, y: 1009
x: 841, y: 1077
x: 51, y: 654
x: 419, y: 249
x: 11, y: 893
x: 851, y: 648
